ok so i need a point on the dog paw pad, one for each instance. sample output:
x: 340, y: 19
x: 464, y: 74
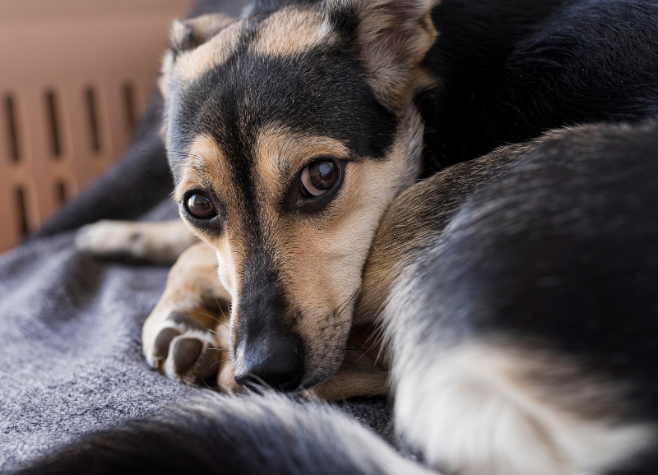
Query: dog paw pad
x: 186, y: 352
x: 184, y: 349
x: 208, y: 363
x: 163, y: 340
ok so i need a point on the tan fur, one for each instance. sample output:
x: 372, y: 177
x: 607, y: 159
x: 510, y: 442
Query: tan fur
x: 207, y: 164
x: 393, y: 44
x: 193, y: 64
x: 404, y: 228
x: 292, y: 31
x: 320, y: 261
x: 364, y: 370
x: 192, y: 287
x: 337, y: 251
x: 203, y: 28
x: 282, y: 152
x: 286, y: 32
x: 336, y: 247
x: 205, y: 160
x: 216, y: 35
x: 347, y: 383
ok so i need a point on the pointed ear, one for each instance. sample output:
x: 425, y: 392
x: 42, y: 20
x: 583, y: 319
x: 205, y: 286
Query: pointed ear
x: 186, y: 35
x: 393, y: 38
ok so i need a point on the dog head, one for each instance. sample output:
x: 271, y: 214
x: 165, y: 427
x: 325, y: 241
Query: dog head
x: 288, y: 134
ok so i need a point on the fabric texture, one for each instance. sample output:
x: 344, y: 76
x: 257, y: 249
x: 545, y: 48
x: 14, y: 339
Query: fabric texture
x: 70, y: 325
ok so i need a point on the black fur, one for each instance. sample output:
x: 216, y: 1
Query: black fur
x: 514, y: 69
x: 566, y: 254
x: 557, y: 253
x: 322, y: 92
x: 229, y: 435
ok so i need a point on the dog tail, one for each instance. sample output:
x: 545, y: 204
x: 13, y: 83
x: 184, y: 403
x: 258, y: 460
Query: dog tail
x: 232, y: 435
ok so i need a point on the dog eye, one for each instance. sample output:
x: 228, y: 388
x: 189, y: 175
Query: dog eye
x: 200, y: 206
x: 318, y: 178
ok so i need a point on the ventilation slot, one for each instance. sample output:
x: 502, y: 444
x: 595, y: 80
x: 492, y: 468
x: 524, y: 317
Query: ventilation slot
x: 92, y: 119
x: 12, y: 128
x: 129, y: 105
x: 61, y: 193
x: 21, y: 211
x: 52, y: 111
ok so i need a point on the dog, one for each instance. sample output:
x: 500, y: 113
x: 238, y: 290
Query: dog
x: 514, y: 292
x: 499, y: 367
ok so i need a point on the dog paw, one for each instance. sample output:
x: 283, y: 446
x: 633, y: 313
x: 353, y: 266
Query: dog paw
x: 130, y: 241
x: 113, y: 239
x: 185, y: 350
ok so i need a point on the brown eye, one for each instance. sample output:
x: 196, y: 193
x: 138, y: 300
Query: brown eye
x: 318, y: 178
x: 200, y: 206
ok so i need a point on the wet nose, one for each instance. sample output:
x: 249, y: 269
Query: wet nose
x: 276, y: 362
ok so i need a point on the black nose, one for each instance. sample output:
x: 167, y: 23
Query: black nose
x: 275, y: 361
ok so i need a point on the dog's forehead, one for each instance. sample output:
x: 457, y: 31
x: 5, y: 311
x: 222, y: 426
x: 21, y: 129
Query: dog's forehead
x: 313, y: 85
x: 291, y: 30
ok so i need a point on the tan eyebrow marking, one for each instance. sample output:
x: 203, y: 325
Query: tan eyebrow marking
x: 205, y: 160
x: 292, y: 31
x: 281, y: 152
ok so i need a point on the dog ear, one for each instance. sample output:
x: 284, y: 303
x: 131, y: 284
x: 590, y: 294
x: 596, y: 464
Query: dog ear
x: 393, y: 38
x: 186, y: 35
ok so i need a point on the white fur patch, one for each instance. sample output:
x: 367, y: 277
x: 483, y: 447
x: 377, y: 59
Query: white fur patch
x: 158, y: 242
x: 471, y: 413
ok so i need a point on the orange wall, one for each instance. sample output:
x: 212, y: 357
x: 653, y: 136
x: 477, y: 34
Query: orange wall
x: 74, y: 75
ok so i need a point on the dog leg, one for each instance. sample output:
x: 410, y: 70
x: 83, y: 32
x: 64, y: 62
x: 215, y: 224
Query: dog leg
x: 186, y: 335
x: 152, y: 242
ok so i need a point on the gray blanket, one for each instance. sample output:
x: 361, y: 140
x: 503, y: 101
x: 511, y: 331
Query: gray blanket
x: 70, y: 352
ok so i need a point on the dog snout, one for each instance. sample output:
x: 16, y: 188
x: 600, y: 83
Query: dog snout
x: 274, y: 361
